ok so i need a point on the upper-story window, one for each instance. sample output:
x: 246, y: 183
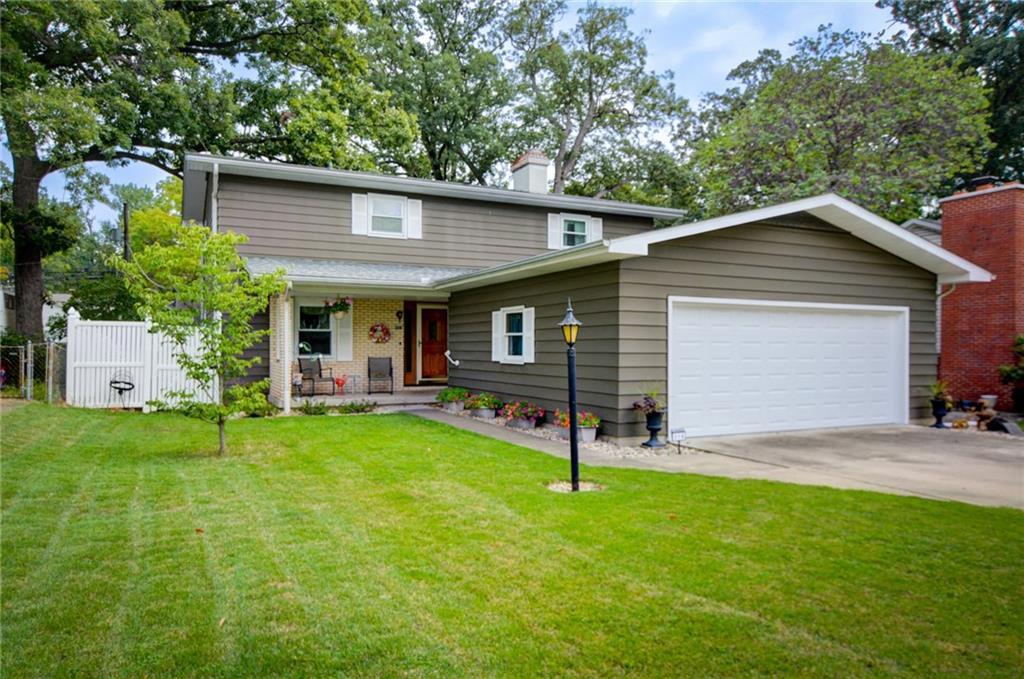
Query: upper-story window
x: 574, y: 231
x: 569, y: 230
x: 387, y: 216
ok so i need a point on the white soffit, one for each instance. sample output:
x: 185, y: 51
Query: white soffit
x: 839, y: 212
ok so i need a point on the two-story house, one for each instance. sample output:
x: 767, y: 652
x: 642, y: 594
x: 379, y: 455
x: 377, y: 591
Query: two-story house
x: 809, y: 314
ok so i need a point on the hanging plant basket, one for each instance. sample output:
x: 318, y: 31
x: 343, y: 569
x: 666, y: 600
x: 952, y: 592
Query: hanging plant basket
x: 338, y: 307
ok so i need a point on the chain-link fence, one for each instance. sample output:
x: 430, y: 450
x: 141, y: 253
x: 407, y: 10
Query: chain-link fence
x: 34, y: 371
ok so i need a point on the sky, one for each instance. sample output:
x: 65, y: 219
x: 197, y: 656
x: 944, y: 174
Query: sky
x: 700, y: 41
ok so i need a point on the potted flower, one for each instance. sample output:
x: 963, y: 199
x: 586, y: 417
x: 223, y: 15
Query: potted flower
x: 1013, y: 374
x: 586, y: 424
x: 522, y: 415
x: 940, y: 402
x: 483, y: 405
x: 338, y: 307
x: 653, y: 410
x: 452, y: 399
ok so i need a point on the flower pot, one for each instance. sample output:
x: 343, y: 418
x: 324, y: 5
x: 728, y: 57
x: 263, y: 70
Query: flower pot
x: 939, y: 411
x: 338, y: 315
x: 990, y: 400
x: 484, y: 413
x: 653, y: 426
x: 454, y: 406
x: 583, y: 434
x: 521, y: 423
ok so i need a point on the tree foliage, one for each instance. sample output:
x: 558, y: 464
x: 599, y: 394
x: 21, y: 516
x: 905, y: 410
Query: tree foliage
x: 875, y: 124
x: 442, y: 62
x: 198, y: 287
x: 984, y: 37
x: 120, y: 80
x: 588, y: 94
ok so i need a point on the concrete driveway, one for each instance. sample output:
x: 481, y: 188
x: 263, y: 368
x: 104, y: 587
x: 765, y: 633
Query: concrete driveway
x: 984, y: 469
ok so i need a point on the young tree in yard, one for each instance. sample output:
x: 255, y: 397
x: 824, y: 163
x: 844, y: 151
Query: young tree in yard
x: 880, y: 126
x: 984, y: 37
x: 588, y: 93
x: 146, y: 80
x: 197, y: 287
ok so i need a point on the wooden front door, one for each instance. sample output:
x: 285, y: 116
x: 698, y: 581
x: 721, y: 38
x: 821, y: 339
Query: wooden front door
x: 433, y: 343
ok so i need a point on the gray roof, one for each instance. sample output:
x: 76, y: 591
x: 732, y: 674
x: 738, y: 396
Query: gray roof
x: 365, y: 273
x: 929, y: 229
x: 205, y: 162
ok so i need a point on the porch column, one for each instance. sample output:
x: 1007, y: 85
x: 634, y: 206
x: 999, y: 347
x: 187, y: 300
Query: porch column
x: 286, y: 348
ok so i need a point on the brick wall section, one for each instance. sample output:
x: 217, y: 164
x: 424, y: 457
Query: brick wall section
x: 365, y: 313
x: 980, y: 320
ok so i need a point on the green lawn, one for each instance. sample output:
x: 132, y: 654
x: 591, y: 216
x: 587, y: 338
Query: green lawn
x: 384, y: 545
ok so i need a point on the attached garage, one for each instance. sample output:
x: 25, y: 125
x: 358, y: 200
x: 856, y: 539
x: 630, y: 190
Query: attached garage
x: 744, y: 366
x: 806, y: 315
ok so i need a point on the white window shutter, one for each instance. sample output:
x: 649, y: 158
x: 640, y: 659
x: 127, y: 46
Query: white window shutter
x: 554, y: 232
x: 359, y: 216
x: 497, y: 335
x: 414, y: 209
x: 528, y: 335
x: 343, y: 329
x: 596, y: 229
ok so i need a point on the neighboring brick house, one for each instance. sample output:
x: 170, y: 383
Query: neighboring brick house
x: 813, y: 313
x: 979, y: 322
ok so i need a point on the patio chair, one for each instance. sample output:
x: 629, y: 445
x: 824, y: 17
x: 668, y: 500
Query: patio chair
x: 313, y: 374
x: 379, y: 370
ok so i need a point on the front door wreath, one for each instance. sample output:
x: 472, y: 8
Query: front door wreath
x: 380, y: 333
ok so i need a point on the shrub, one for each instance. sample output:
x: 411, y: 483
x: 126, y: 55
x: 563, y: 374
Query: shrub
x: 483, y: 401
x: 313, y: 408
x: 452, y: 395
x: 353, y: 407
x: 521, y: 410
x: 584, y: 419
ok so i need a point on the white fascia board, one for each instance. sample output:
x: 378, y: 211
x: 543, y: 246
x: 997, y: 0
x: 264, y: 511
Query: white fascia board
x: 324, y: 286
x: 839, y: 212
x: 410, y: 185
x: 596, y: 252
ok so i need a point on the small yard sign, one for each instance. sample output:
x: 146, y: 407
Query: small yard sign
x: 678, y: 437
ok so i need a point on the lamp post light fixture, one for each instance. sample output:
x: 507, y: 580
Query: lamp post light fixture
x: 570, y: 331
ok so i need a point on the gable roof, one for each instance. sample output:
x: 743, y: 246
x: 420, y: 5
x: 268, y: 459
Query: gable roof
x: 839, y: 212
x: 204, y: 162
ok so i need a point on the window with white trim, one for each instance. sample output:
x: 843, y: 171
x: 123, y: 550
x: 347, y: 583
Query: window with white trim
x: 320, y: 333
x: 512, y: 335
x: 387, y: 216
x: 566, y: 230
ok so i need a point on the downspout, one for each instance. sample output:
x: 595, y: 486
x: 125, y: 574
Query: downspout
x: 938, y: 315
x: 213, y: 228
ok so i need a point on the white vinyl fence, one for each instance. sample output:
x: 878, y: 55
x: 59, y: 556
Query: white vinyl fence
x: 112, y: 364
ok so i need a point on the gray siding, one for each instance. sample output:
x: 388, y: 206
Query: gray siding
x: 812, y: 262
x: 624, y: 310
x: 261, y: 370
x: 294, y: 219
x: 594, y: 293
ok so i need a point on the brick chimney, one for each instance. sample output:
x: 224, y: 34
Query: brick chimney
x: 530, y: 172
x: 980, y: 320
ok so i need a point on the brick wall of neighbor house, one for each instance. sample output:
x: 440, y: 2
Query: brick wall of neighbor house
x: 980, y: 320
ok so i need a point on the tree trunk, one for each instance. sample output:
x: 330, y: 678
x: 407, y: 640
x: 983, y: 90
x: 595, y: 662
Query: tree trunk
x: 223, y: 440
x: 28, y: 260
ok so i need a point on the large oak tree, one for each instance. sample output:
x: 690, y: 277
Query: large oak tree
x: 147, y: 80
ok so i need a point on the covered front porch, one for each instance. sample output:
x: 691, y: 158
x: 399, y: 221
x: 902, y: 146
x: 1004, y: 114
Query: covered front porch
x: 352, y: 331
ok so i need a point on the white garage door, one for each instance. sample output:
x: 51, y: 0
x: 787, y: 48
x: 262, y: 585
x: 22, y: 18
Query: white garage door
x: 746, y: 366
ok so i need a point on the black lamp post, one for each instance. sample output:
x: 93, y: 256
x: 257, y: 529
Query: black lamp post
x: 570, y: 330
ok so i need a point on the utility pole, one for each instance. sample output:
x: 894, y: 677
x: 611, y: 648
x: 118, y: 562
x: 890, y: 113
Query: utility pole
x: 127, y: 250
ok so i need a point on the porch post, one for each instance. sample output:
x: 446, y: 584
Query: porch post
x: 286, y: 344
